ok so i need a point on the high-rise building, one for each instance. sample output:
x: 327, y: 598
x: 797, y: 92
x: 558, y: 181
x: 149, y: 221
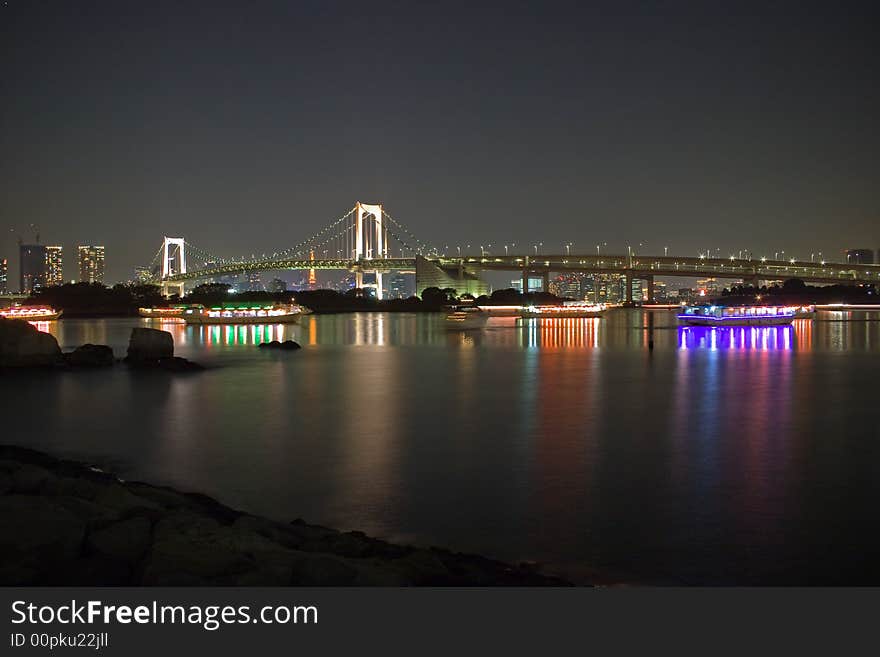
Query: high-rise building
x: 277, y: 286
x: 860, y: 256
x: 401, y: 286
x: 254, y: 282
x: 567, y: 286
x: 54, y: 265
x: 4, y: 276
x: 32, y: 267
x: 91, y: 264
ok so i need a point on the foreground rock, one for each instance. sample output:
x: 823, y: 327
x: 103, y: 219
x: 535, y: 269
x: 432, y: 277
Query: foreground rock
x: 22, y: 345
x: 62, y: 523
x: 90, y: 355
x: 287, y: 345
x: 146, y: 345
x: 154, y: 349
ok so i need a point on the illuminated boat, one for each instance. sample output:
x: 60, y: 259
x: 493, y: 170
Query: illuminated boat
x: 719, y: 315
x: 567, y: 309
x: 243, y: 313
x: 465, y: 318
x: 31, y: 313
x: 162, y: 312
x: 805, y: 312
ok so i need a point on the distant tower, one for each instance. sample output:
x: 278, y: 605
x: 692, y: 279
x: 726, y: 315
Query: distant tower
x: 91, y: 264
x: 54, y: 265
x: 32, y: 267
x: 371, y: 240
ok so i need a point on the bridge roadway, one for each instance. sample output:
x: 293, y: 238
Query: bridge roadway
x: 639, y: 267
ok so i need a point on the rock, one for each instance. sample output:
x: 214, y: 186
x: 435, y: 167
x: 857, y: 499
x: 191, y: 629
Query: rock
x: 320, y: 570
x: 146, y: 346
x: 125, y: 541
x: 22, y: 345
x: 90, y: 355
x: 177, y: 364
x: 36, y: 536
x: 30, y: 478
x: 287, y: 345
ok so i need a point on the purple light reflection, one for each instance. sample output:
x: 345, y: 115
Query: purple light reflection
x: 736, y: 337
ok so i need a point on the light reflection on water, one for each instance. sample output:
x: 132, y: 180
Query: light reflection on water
x: 738, y: 455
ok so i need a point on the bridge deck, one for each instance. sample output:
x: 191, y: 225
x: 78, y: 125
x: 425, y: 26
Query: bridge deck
x: 638, y: 266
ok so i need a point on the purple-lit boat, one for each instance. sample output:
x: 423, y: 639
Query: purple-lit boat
x: 718, y: 315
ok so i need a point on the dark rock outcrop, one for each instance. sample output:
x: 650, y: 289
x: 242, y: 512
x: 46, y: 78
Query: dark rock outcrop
x: 154, y: 349
x: 90, y: 355
x: 146, y: 346
x: 22, y: 345
x: 287, y: 345
x: 62, y: 523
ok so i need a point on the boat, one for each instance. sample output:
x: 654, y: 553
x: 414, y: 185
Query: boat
x: 31, y: 313
x: 805, y: 312
x: 465, y: 318
x: 158, y: 312
x: 238, y: 313
x: 567, y: 309
x: 721, y: 315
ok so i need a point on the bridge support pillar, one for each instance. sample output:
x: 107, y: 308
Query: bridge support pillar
x: 170, y: 289
x: 628, y: 293
x: 649, y: 280
x: 545, y: 281
x: 525, y: 276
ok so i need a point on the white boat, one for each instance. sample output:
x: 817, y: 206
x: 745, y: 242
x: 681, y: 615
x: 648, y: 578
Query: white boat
x: 567, y: 309
x: 465, y: 318
x: 31, y: 313
x: 245, y: 314
x: 719, y: 315
x: 157, y: 312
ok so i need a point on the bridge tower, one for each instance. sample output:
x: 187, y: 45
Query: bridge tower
x: 371, y: 242
x: 173, y: 262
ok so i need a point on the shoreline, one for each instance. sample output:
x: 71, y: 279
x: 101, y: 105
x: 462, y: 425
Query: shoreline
x: 65, y: 523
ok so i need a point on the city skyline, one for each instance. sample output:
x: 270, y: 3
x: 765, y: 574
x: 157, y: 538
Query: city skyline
x: 594, y: 125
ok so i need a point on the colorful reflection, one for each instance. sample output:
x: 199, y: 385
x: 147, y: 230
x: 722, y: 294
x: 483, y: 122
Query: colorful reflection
x: 556, y: 333
x: 238, y: 334
x: 762, y: 338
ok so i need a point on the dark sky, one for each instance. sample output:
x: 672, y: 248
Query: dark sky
x: 245, y: 126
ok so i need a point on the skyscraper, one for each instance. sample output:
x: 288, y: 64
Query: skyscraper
x: 91, y: 264
x: 54, y: 265
x: 4, y: 276
x: 32, y: 267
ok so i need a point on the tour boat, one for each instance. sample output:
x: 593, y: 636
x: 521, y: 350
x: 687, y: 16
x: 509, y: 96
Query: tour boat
x: 719, y: 315
x: 31, y: 313
x: 466, y: 317
x: 244, y: 314
x: 567, y: 309
x: 162, y: 313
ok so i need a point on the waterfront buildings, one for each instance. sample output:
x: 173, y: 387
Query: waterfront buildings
x: 91, y: 264
x: 277, y: 286
x: 860, y: 256
x: 401, y: 286
x: 32, y: 267
x: 4, y: 276
x: 54, y: 265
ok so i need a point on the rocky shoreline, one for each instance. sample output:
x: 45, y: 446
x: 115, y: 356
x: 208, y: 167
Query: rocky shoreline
x: 64, y: 523
x: 23, y: 346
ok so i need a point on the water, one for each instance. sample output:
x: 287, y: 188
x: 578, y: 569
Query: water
x: 722, y: 456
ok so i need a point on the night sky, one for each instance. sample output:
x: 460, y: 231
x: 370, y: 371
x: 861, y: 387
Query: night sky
x: 246, y: 126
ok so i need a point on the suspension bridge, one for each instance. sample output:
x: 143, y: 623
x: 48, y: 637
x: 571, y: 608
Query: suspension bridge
x: 366, y: 240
